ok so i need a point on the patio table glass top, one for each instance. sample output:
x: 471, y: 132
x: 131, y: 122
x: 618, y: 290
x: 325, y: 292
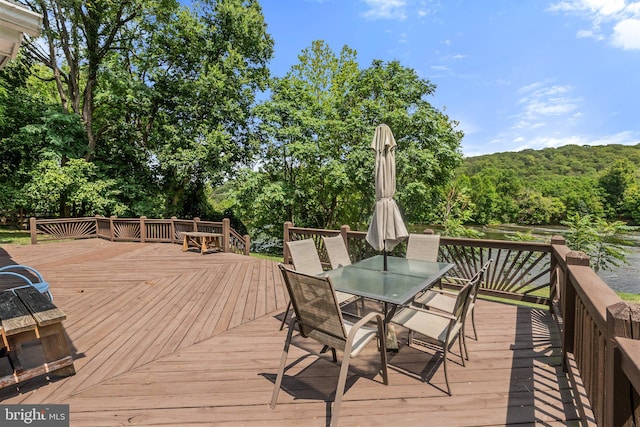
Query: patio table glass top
x: 403, y: 279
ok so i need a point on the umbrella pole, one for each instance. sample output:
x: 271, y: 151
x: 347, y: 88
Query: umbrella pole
x: 384, y: 256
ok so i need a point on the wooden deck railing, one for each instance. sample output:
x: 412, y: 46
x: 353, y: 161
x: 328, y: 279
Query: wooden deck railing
x: 520, y: 271
x: 141, y: 229
x: 600, y: 332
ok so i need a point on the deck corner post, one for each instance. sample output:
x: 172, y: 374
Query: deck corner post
x: 569, y: 305
x: 247, y: 244
x: 143, y: 229
x: 195, y: 223
x: 285, y: 249
x: 97, y: 217
x: 112, y: 233
x: 617, y: 409
x: 33, y: 230
x: 226, y: 234
x: 173, y: 229
x: 558, y: 277
x: 577, y: 258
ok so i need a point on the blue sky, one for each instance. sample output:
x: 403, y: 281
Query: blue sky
x: 516, y: 74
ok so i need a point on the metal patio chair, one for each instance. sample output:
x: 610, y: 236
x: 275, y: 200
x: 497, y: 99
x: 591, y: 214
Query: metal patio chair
x: 423, y: 247
x: 439, y: 328
x: 318, y: 317
x: 306, y: 260
x: 444, y: 299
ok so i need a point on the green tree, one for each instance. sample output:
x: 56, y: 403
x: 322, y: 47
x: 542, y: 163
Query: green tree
x: 536, y: 209
x: 631, y: 203
x: 614, y: 182
x: 317, y: 127
x: 164, y: 92
x: 602, y: 241
x: 73, y: 188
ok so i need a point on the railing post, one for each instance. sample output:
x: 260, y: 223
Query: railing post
x: 247, y: 244
x: 344, y: 232
x: 558, y: 278
x: 226, y: 234
x: 112, y: 233
x: 285, y: 239
x: 173, y: 229
x: 98, y: 225
x: 33, y: 230
x: 569, y: 306
x: 143, y: 229
x: 617, y: 401
x: 195, y: 223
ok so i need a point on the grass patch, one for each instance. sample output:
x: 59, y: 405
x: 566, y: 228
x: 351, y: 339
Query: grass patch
x: 267, y: 256
x: 634, y: 298
x: 513, y: 302
x: 15, y: 237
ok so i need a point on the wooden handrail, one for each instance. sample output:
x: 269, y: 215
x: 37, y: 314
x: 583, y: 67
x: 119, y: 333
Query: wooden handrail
x: 141, y: 229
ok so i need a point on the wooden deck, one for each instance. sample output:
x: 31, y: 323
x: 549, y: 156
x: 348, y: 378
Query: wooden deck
x: 162, y: 337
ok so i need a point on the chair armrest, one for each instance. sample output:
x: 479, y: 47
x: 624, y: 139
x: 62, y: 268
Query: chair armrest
x: 366, y: 319
x: 453, y: 279
x: 430, y: 312
x: 444, y: 292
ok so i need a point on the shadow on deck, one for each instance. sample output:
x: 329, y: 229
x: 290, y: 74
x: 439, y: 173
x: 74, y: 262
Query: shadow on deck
x: 163, y: 337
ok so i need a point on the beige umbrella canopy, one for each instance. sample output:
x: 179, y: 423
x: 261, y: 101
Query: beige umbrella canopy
x: 387, y: 227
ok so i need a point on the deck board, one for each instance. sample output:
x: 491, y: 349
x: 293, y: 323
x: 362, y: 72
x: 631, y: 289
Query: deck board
x: 162, y: 337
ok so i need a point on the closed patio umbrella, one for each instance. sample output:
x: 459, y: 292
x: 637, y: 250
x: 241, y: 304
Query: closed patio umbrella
x: 387, y: 227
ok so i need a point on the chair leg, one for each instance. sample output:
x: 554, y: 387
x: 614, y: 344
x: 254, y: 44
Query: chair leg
x: 464, y: 344
x: 446, y: 379
x: 342, y: 381
x: 284, y: 318
x: 473, y: 322
x: 460, y: 345
x: 283, y: 362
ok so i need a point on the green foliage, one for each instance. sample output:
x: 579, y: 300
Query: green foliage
x: 602, y: 241
x: 615, y: 181
x: 549, y: 186
x: 72, y: 189
x: 157, y: 95
x: 317, y: 165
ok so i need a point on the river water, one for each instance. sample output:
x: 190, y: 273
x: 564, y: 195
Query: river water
x: 625, y: 278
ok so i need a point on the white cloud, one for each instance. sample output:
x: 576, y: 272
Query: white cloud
x: 386, y: 9
x: 610, y: 19
x: 589, y: 34
x: 539, y: 101
x: 626, y: 34
x: 600, y: 7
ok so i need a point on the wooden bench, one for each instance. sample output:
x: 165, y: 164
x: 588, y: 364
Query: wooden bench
x: 27, y: 316
x: 202, y: 240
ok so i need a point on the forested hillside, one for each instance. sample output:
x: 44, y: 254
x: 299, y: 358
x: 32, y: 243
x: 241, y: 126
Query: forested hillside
x: 570, y: 160
x: 550, y: 185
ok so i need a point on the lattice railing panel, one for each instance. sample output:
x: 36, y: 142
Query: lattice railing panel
x: 67, y: 229
x: 126, y: 230
x: 523, y: 274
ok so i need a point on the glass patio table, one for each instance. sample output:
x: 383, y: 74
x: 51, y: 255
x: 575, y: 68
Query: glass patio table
x: 403, y: 280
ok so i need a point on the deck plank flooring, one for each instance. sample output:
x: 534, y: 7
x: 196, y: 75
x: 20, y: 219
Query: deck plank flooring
x: 163, y: 337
